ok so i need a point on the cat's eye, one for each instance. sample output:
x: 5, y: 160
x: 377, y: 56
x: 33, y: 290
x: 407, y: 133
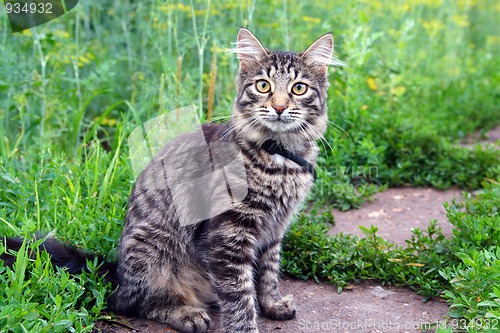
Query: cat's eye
x: 299, y: 88
x: 263, y: 86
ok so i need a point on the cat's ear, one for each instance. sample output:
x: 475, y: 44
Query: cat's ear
x: 320, y: 53
x: 249, y: 49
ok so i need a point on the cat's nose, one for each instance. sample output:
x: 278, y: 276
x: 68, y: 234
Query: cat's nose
x: 279, y: 108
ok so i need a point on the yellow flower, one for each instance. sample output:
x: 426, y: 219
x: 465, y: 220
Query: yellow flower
x: 107, y: 121
x: 466, y: 4
x: 460, y: 20
x: 371, y: 83
x: 61, y: 33
x: 138, y: 76
x: 309, y: 19
x: 166, y: 8
x: 492, y: 40
x: 398, y: 90
x: 432, y: 27
x: 184, y: 8
x: 376, y: 5
x: 200, y: 12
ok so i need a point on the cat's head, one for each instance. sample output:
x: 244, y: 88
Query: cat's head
x: 281, y: 95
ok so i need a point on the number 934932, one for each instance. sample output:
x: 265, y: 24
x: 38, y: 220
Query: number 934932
x: 28, y: 8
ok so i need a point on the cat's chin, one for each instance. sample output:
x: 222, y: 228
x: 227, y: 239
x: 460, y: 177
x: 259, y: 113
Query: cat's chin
x: 281, y: 126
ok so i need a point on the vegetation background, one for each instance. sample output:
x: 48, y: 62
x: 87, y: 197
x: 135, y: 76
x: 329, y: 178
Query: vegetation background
x: 419, y: 76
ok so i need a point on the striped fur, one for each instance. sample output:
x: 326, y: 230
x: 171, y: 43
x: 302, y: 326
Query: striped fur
x: 174, y: 273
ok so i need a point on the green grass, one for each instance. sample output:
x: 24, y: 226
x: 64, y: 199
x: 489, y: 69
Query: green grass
x: 420, y: 76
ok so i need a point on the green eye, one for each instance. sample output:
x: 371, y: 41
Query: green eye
x: 299, y: 88
x: 263, y: 86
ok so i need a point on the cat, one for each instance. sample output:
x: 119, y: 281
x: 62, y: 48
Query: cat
x: 174, y: 272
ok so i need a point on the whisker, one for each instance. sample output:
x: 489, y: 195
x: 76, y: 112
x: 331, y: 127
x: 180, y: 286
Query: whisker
x: 220, y: 117
x: 251, y: 124
x: 343, y: 119
x: 229, y: 130
x: 243, y: 130
x: 229, y: 116
x: 317, y: 135
x: 233, y: 126
x: 340, y: 130
x: 309, y: 131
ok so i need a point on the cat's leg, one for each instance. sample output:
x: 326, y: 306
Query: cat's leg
x: 272, y: 304
x: 231, y: 264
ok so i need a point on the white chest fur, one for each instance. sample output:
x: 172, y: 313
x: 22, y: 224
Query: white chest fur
x: 278, y: 159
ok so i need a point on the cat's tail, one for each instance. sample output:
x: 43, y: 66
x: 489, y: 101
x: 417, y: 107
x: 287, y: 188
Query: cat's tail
x: 61, y: 255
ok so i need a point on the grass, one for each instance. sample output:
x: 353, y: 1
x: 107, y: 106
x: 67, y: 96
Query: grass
x: 413, y: 86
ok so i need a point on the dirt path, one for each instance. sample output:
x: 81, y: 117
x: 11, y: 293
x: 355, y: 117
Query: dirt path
x: 492, y: 137
x: 396, y: 212
x: 364, y: 308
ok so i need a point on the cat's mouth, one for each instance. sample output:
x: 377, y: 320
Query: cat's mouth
x: 280, y: 124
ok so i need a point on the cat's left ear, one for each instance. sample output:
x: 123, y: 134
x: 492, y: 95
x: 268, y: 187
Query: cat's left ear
x: 320, y: 53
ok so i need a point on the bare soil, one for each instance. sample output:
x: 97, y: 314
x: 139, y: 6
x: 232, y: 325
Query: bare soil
x: 492, y: 137
x: 366, y: 307
x: 396, y: 212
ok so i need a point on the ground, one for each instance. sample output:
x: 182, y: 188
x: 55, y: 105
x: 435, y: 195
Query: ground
x: 396, y: 212
x: 365, y: 307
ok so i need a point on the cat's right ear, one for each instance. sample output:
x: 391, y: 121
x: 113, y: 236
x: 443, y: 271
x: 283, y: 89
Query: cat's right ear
x: 249, y: 49
x: 320, y: 53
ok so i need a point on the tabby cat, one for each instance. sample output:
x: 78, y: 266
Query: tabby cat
x: 174, y: 272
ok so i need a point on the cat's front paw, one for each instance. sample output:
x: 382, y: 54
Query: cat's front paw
x: 283, y: 309
x: 189, y: 320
